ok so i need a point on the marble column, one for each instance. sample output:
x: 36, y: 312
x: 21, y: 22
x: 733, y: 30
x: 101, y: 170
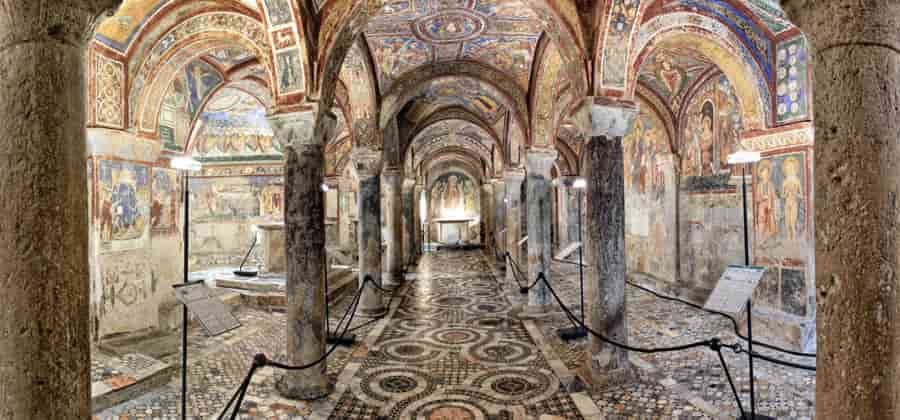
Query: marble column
x: 499, y: 207
x: 514, y: 178
x: 668, y: 252
x: 605, y: 239
x: 568, y: 210
x: 856, y: 92
x: 418, y: 201
x: 409, y: 222
x: 487, y: 216
x: 368, y: 170
x: 44, y: 304
x: 393, y: 220
x: 304, y: 226
x: 540, y: 217
x: 345, y: 222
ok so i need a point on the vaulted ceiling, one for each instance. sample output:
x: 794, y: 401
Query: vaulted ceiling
x: 409, y: 33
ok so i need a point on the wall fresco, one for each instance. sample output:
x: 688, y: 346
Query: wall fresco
x: 123, y: 204
x: 182, y: 102
x: 166, y: 196
x: 233, y: 127
x: 791, y: 90
x: 711, y: 131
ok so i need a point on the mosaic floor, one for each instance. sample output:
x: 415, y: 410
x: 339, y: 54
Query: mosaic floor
x: 453, y: 347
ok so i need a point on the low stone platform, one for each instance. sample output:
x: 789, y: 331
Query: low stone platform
x: 116, y: 379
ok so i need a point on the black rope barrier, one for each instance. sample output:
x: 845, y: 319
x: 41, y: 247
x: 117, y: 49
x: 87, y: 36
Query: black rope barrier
x: 711, y: 343
x: 734, y: 322
x: 260, y: 360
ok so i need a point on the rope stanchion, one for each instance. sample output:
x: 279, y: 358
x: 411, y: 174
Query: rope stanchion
x: 722, y: 314
x: 260, y: 360
x: 518, y: 275
x: 717, y: 347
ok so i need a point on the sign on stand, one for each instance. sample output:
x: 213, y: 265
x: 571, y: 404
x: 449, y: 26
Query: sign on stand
x: 735, y: 288
x: 214, y: 315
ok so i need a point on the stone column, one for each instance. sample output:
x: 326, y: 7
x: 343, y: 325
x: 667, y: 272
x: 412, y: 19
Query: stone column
x: 345, y: 224
x: 605, y: 238
x: 540, y: 217
x: 368, y: 169
x: 856, y: 92
x: 418, y: 202
x: 668, y: 252
x: 487, y: 216
x: 304, y: 225
x: 44, y: 304
x: 562, y: 215
x: 499, y: 189
x: 409, y: 222
x: 514, y: 178
x: 393, y: 219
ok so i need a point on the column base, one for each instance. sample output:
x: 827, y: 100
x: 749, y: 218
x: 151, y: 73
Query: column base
x: 607, y: 373
x: 302, y: 392
x: 391, y: 279
x: 372, y: 312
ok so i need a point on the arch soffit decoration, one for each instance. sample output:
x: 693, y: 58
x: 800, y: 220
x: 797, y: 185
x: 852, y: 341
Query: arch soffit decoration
x: 343, y: 21
x: 357, y: 77
x: 192, y: 37
x: 451, y: 162
x: 249, y: 87
x: 478, y: 159
x: 495, y: 83
x: 648, y: 98
x: 568, y: 157
x: 717, y: 43
x: 454, y: 113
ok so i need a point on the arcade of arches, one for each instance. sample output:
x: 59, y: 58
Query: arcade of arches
x: 438, y: 155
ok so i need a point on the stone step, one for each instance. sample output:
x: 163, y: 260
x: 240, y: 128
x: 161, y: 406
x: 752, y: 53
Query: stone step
x: 116, y: 379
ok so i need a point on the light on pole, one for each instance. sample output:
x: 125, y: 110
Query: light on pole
x: 186, y: 165
x: 578, y: 332
x: 745, y: 159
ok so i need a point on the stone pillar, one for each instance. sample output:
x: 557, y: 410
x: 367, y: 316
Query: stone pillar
x: 409, y: 222
x: 605, y: 239
x: 393, y: 219
x: 418, y: 202
x: 562, y: 213
x: 856, y: 73
x: 487, y: 216
x: 568, y: 210
x: 668, y: 251
x: 499, y: 189
x: 345, y: 223
x: 304, y: 224
x: 540, y: 217
x: 368, y: 169
x: 44, y: 304
x: 514, y: 178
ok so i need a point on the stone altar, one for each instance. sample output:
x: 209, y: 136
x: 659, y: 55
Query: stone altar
x: 271, y: 238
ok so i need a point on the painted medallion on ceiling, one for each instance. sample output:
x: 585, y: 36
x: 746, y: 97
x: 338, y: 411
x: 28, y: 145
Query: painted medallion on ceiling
x: 408, y: 34
x: 669, y: 73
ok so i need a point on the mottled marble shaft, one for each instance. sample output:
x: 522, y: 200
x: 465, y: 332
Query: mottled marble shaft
x: 393, y: 211
x: 369, y: 232
x: 540, y: 246
x: 513, y: 227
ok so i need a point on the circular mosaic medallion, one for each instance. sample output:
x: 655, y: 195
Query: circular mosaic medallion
x: 410, y: 351
x: 449, y: 26
x: 455, y: 336
x: 398, y: 384
x: 451, y: 301
x: 518, y: 385
x: 502, y: 353
x: 511, y: 386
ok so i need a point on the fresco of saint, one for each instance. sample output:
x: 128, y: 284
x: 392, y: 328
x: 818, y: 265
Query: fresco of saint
x: 767, y: 203
x: 792, y: 195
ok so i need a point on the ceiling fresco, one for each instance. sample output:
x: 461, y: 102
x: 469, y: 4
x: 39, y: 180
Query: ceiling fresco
x: 451, y: 135
x: 233, y: 127
x: 670, y: 72
x: 229, y: 57
x: 410, y: 33
x: 119, y: 30
x: 447, y: 92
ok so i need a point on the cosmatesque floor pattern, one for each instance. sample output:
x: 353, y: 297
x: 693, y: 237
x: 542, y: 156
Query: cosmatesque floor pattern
x: 454, y: 347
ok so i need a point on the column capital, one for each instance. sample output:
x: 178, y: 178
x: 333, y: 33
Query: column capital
x: 495, y: 181
x: 392, y: 171
x: 300, y: 127
x: 602, y: 117
x: 566, y: 181
x: 409, y: 183
x: 366, y: 162
x: 541, y: 153
x: 514, y: 174
x: 71, y: 22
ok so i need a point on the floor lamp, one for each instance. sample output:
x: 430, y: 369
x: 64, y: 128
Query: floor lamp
x: 745, y: 159
x: 578, y: 332
x: 186, y: 165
